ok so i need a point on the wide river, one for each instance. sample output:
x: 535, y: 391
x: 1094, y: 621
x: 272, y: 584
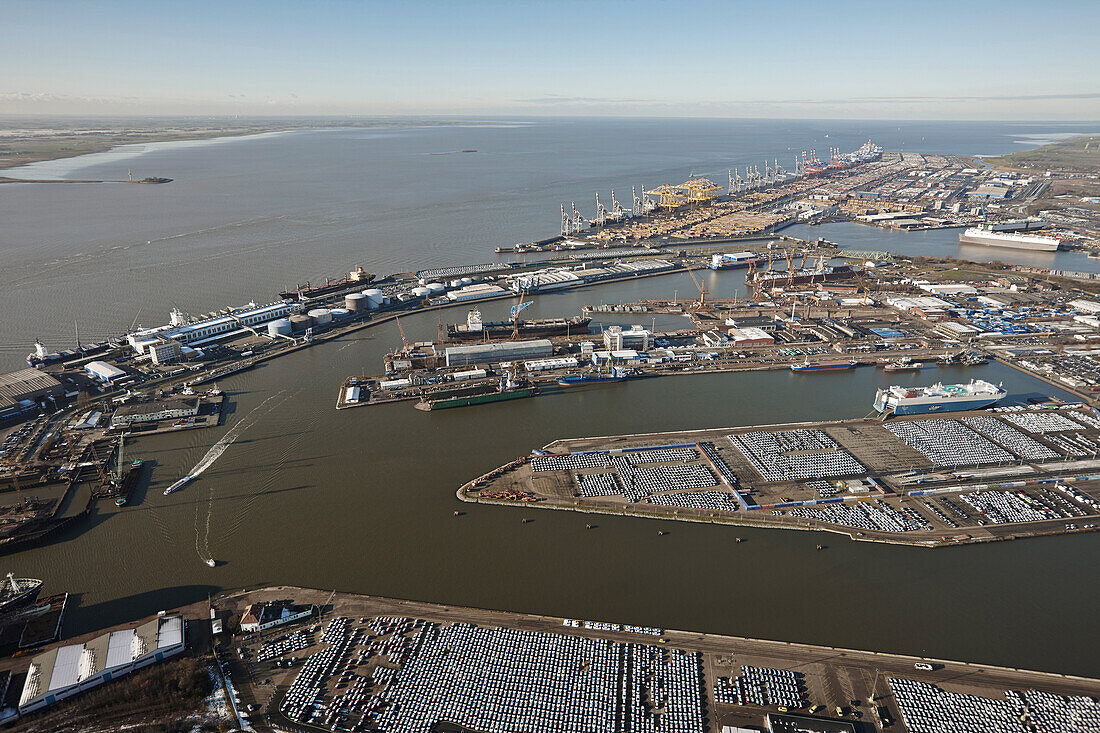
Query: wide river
x: 363, y: 500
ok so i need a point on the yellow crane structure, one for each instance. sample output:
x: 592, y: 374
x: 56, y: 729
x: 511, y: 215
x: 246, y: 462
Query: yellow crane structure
x: 702, y: 290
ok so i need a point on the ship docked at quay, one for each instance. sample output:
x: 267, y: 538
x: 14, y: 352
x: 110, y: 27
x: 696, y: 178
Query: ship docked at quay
x: 475, y: 329
x: 938, y: 398
x: 354, y: 280
x: 988, y: 236
x: 822, y: 273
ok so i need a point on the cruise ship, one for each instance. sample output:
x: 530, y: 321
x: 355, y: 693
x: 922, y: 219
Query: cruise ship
x: 938, y: 398
x: 985, y: 235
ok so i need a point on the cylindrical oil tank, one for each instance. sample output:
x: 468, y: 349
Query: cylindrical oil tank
x: 436, y: 288
x: 299, y: 323
x: 403, y: 297
x: 320, y: 316
x: 456, y: 283
x: 356, y: 302
x: 279, y: 327
x: 340, y: 312
x: 374, y: 297
x: 467, y: 280
x: 421, y: 292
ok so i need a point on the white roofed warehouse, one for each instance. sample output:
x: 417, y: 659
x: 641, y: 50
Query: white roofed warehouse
x: 64, y: 671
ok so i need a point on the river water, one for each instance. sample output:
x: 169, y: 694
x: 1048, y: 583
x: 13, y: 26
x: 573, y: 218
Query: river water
x: 363, y: 500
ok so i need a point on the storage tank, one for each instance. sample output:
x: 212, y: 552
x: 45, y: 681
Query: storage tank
x: 467, y: 281
x: 421, y: 292
x: 299, y: 323
x: 436, y: 288
x: 356, y: 302
x: 279, y: 327
x: 375, y: 298
x: 320, y: 316
x: 456, y: 283
x: 340, y: 312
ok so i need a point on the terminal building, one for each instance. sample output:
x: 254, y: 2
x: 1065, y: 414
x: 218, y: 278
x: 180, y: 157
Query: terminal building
x: 64, y: 671
x: 237, y: 321
x: 144, y: 412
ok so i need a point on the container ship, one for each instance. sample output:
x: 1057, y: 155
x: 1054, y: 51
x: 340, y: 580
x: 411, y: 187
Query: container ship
x: 479, y: 395
x: 986, y: 236
x: 938, y: 398
x: 355, y: 279
x: 823, y: 366
x: 475, y: 329
x: 18, y: 592
x: 820, y: 274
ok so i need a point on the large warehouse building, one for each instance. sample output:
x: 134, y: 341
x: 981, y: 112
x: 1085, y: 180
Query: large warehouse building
x: 497, y: 352
x: 22, y: 390
x: 64, y: 671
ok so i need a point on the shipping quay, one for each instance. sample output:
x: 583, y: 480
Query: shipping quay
x: 353, y: 662
x: 300, y: 659
x: 931, y: 480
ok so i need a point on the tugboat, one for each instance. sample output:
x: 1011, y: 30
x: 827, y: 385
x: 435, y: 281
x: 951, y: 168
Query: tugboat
x: 904, y: 364
x: 210, y: 561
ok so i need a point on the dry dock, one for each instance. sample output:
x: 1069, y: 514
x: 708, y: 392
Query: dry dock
x: 930, y: 480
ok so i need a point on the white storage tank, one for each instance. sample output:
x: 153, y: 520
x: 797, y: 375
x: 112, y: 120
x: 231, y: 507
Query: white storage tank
x: 421, y: 292
x: 320, y: 316
x: 436, y: 288
x: 279, y: 327
x: 467, y: 281
x: 375, y: 299
x: 356, y: 302
x: 456, y: 283
x: 340, y: 312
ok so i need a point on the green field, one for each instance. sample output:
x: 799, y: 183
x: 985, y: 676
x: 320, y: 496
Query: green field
x: 1077, y: 155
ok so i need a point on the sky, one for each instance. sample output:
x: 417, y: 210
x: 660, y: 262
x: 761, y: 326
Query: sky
x: 662, y: 58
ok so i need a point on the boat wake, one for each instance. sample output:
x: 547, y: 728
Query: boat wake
x: 202, y: 537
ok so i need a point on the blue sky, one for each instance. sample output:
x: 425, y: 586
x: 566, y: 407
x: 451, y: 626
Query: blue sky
x: 928, y: 60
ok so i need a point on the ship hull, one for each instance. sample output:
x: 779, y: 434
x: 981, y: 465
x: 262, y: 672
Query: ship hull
x: 582, y: 381
x: 838, y: 273
x: 535, y: 330
x: 822, y: 367
x: 1008, y: 242
x: 926, y: 408
x: 470, y: 400
x: 26, y: 597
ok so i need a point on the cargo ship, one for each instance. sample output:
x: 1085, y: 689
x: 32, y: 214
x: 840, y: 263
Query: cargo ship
x: 579, y: 380
x: 938, y: 398
x: 178, y: 485
x: 820, y: 274
x: 823, y: 366
x: 987, y: 236
x: 355, y: 279
x: 41, y: 358
x: 18, y: 592
x: 478, y: 395
x: 224, y: 371
x: 476, y: 329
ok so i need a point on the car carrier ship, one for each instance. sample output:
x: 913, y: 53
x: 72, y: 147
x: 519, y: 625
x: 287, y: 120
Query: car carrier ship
x: 938, y: 398
x: 986, y: 235
x: 475, y: 329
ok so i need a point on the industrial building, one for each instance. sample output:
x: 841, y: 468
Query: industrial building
x: 493, y: 353
x: 141, y: 412
x: 750, y: 336
x: 236, y: 321
x: 616, y: 339
x: 264, y: 616
x: 64, y: 671
x: 20, y: 391
x: 165, y: 351
x: 104, y: 372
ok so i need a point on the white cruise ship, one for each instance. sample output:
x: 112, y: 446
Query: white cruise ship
x: 938, y: 398
x: 989, y: 238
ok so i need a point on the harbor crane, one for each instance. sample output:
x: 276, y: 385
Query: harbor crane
x: 618, y: 213
x: 790, y: 267
x: 602, y: 214
x: 401, y: 329
x: 702, y: 290
x: 513, y: 315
